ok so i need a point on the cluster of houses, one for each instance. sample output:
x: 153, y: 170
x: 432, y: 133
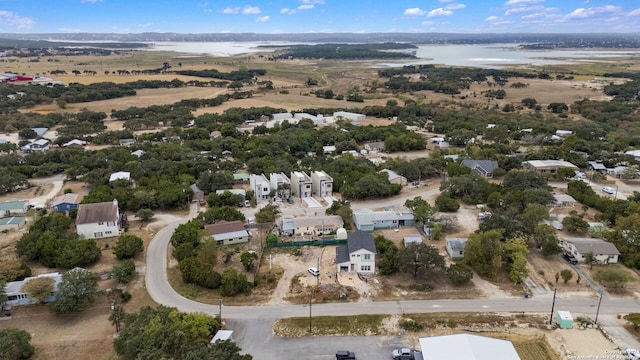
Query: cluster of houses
x: 299, y: 185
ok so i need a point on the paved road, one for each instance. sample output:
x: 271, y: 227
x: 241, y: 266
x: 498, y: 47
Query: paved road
x: 253, y: 323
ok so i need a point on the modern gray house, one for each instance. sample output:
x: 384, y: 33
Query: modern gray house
x: 484, y: 168
x: 358, y: 255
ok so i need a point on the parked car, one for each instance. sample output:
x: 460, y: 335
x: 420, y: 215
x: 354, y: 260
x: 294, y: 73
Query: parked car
x: 247, y: 203
x: 570, y: 258
x: 345, y: 355
x: 250, y: 221
x: 609, y: 190
x: 313, y: 271
x: 402, y: 354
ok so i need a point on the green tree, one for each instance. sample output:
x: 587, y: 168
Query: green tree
x: 144, y: 215
x: 267, y: 214
x: 557, y: 108
x: 39, y: 288
x: 613, y: 277
x: 420, y: 259
x: 124, y: 272
x: 12, y: 270
x: 77, y: 288
x: 234, y: 283
x: 589, y: 259
x: 386, y: 255
x: 566, y: 275
x: 483, y: 252
x: 247, y: 258
x: 459, y: 274
x: 422, y: 211
x: 15, y: 344
x: 3, y: 293
x: 634, y: 319
x: 515, y: 251
x: 445, y: 203
x: 574, y: 223
x: 207, y: 253
x: 194, y: 271
x: 225, y: 213
x: 128, y: 246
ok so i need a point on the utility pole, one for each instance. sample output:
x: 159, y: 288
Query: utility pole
x: 553, y: 304
x: 220, y: 312
x: 318, y: 277
x: 599, y: 302
x: 310, y: 295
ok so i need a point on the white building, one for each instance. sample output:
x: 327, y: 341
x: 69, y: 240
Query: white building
x: 349, y: 116
x: 466, y: 346
x: 98, y: 220
x: 260, y: 186
x: 300, y: 184
x: 358, y: 255
x: 120, y: 175
x: 281, y: 116
x: 17, y: 297
x: 603, y: 251
x: 281, y: 184
x: 317, y: 120
x: 322, y: 184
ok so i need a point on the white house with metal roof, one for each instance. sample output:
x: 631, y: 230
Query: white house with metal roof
x: 603, y: 251
x: 468, y: 347
x: 548, y: 166
x: 17, y: 297
x: 120, y: 175
x: 369, y: 220
x: 301, y: 184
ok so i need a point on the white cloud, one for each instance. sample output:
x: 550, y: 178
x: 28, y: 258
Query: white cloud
x: 635, y: 12
x: 493, y: 19
x: 414, y: 12
x: 439, y: 12
x: 69, y: 30
x: 263, y: 19
x: 230, y: 10
x: 305, y: 7
x: 523, y: 9
x: 251, y: 10
x: 522, y: 2
x: 287, y: 11
x: 312, y: 1
x: 581, y: 13
x: 427, y: 22
x: 455, y: 6
x: 14, y: 20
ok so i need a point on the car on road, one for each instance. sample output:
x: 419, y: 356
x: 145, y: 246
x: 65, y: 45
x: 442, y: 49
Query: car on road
x: 345, y: 355
x: 313, y: 271
x: 608, y: 190
x: 570, y: 258
x: 251, y: 221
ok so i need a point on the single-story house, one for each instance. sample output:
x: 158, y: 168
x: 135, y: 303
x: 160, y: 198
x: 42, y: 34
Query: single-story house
x: 17, y: 297
x: 240, y: 177
x: 349, y: 115
x: 634, y: 153
x: 215, y: 134
x: 222, y: 335
x: 548, y: 166
x: 66, y: 202
x: 11, y: 208
x: 603, y: 251
x: 484, y: 168
x: 138, y: 153
x: 310, y: 226
x: 198, y: 195
x: 455, y: 247
x: 358, y: 255
x: 227, y: 232
x: 75, y: 143
x: 126, y: 142
x: 467, y: 346
x: 369, y: 220
x: 394, y: 177
x: 374, y: 146
x: 40, y: 145
x: 563, y: 133
x: 98, y: 220
x: 12, y: 223
x: 120, y: 175
x: 564, y: 201
x: 597, y: 166
x: 412, y: 239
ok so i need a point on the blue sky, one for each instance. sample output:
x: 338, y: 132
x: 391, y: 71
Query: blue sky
x: 303, y: 16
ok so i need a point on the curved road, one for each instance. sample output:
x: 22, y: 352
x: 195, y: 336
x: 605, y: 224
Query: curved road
x: 257, y: 337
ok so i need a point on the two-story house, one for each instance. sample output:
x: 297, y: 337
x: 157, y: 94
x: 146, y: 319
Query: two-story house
x: 260, y: 186
x: 358, y: 255
x: 322, y: 184
x: 98, y: 220
x: 300, y: 184
x: 40, y: 145
x: 280, y: 184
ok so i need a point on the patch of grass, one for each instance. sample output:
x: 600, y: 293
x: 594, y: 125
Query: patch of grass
x: 359, y: 325
x: 535, y: 349
x: 453, y: 320
x: 421, y: 287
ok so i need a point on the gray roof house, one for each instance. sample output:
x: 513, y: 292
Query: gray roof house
x: 484, y: 168
x: 369, y: 220
x: 455, y: 247
x: 603, y: 251
x: 228, y: 232
x: 358, y: 255
x: 10, y: 208
x: 597, y: 166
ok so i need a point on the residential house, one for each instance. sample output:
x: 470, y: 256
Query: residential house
x: 138, y: 153
x: 260, y: 186
x: 603, y: 251
x: 17, y: 297
x: 98, y: 220
x: 12, y: 223
x: 120, y: 175
x: 467, y: 346
x: 198, y: 195
x: 548, y: 166
x: 329, y: 149
x: 455, y: 247
x: 12, y: 208
x: 349, y: 116
x: 227, y: 232
x: 484, y: 168
x: 394, y: 177
x: 40, y: 145
x: 215, y: 134
x: 317, y: 120
x: 597, y: 166
x: 222, y: 335
x: 412, y: 239
x: 634, y: 153
x: 618, y: 171
x: 240, y: 177
x: 358, y: 255
x: 310, y: 226
x: 40, y: 131
x: 75, y: 143
x: 374, y: 146
x: 392, y: 218
x: 563, y: 201
x: 281, y: 116
x: 322, y: 184
x: 563, y: 133
x: 126, y: 142
x: 227, y: 154
x: 300, y: 184
x: 281, y: 184
x: 66, y: 202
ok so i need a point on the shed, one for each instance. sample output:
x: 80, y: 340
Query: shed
x: 412, y: 239
x: 341, y: 234
x: 222, y: 335
x: 564, y: 319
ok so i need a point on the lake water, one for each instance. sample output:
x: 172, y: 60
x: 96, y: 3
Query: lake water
x: 491, y: 55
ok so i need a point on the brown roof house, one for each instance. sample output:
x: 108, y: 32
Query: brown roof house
x: 228, y: 232
x: 98, y: 220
